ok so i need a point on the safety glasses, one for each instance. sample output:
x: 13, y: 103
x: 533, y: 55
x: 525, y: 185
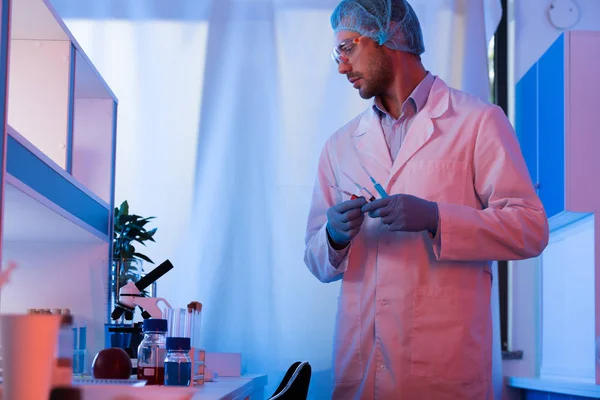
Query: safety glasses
x: 342, y: 52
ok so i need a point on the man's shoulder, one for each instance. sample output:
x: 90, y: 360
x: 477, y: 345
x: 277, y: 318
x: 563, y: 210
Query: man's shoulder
x: 462, y: 101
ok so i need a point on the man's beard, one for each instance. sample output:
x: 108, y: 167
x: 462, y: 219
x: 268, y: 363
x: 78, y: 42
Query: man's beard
x: 380, y: 76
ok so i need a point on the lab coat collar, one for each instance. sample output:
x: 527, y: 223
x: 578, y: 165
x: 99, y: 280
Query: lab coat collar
x: 370, y: 141
x: 439, y: 99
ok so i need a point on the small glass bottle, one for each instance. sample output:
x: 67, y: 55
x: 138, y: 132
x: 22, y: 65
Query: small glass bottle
x: 151, y: 352
x: 79, y: 344
x: 178, y: 365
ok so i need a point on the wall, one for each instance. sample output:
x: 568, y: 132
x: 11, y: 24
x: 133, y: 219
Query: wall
x: 532, y: 34
x: 568, y: 299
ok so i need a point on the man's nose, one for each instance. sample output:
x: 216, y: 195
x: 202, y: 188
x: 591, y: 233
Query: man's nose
x: 344, y: 68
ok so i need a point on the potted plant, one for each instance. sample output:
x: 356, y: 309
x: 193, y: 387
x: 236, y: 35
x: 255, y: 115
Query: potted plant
x: 129, y: 229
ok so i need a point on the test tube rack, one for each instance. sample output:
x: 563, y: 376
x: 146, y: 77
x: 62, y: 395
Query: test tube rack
x: 198, y: 357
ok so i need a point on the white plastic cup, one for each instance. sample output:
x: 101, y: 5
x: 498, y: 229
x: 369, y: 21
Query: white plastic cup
x: 28, y: 351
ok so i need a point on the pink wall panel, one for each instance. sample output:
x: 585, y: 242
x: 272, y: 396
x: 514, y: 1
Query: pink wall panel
x: 582, y: 113
x: 39, y: 94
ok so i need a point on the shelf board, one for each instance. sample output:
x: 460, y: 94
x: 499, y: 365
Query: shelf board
x: 32, y: 172
x: 573, y: 388
x: 34, y: 20
x: 27, y: 219
x: 565, y: 218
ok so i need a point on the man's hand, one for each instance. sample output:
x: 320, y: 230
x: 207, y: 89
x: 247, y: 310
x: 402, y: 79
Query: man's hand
x: 403, y: 212
x: 344, y: 221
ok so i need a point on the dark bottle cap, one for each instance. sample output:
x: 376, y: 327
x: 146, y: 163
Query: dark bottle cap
x: 155, y: 325
x: 178, y: 343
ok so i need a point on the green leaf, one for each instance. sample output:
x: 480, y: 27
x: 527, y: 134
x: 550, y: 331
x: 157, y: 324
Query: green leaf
x: 123, y: 219
x: 130, y: 234
x: 142, y: 241
x: 136, y: 225
x: 129, y: 228
x: 143, y: 236
x: 124, y: 209
x: 151, y: 232
x: 132, y: 226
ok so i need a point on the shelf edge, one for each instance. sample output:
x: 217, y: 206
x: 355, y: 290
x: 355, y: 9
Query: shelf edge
x: 11, y: 180
x: 50, y: 163
x: 58, y: 188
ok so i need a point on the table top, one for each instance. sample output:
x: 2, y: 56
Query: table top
x: 230, y: 388
x: 225, y: 388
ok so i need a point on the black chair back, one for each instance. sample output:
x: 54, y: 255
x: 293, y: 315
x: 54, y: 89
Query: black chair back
x: 295, y: 383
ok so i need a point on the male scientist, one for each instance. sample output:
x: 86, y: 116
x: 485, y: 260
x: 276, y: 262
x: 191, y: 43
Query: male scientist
x: 414, y: 316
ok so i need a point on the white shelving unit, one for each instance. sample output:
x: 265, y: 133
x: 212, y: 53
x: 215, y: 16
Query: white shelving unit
x: 57, y: 175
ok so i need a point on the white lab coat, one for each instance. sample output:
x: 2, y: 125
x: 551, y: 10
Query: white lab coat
x: 414, y: 317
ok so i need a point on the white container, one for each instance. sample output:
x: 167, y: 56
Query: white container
x: 28, y: 351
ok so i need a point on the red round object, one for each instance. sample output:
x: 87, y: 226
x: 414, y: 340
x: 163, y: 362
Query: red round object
x: 112, y: 363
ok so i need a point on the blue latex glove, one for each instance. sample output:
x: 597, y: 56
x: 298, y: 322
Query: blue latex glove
x: 403, y: 212
x: 344, y: 221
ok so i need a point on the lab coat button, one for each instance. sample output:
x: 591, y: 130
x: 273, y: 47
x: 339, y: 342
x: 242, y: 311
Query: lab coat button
x: 382, y: 367
x: 385, y: 303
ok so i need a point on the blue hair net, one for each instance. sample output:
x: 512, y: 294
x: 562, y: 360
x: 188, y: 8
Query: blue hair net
x: 392, y: 23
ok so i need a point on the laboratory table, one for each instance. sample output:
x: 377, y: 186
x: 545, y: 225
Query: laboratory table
x: 245, y: 387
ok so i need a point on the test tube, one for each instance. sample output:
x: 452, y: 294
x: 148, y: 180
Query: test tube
x: 183, y: 322
x: 198, y: 330
x: 178, y: 323
x: 167, y: 314
x: 189, y: 320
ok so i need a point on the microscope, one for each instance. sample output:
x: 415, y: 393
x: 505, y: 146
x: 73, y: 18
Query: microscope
x: 131, y: 295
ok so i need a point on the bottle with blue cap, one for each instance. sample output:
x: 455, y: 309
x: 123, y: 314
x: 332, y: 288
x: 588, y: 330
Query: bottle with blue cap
x: 178, y: 364
x: 151, y: 351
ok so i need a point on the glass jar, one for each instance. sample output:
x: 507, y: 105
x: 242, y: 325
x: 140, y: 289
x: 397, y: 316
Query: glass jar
x: 178, y: 365
x: 151, y: 352
x: 79, y: 345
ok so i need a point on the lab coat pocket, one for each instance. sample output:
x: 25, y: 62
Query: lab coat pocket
x: 347, y: 361
x: 447, y: 334
x: 441, y: 180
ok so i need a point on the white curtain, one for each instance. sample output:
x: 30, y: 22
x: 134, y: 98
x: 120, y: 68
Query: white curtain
x: 224, y: 107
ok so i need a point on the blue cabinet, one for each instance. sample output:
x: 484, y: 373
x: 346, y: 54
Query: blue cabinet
x: 551, y: 128
x: 551, y: 137
x: 526, y: 123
